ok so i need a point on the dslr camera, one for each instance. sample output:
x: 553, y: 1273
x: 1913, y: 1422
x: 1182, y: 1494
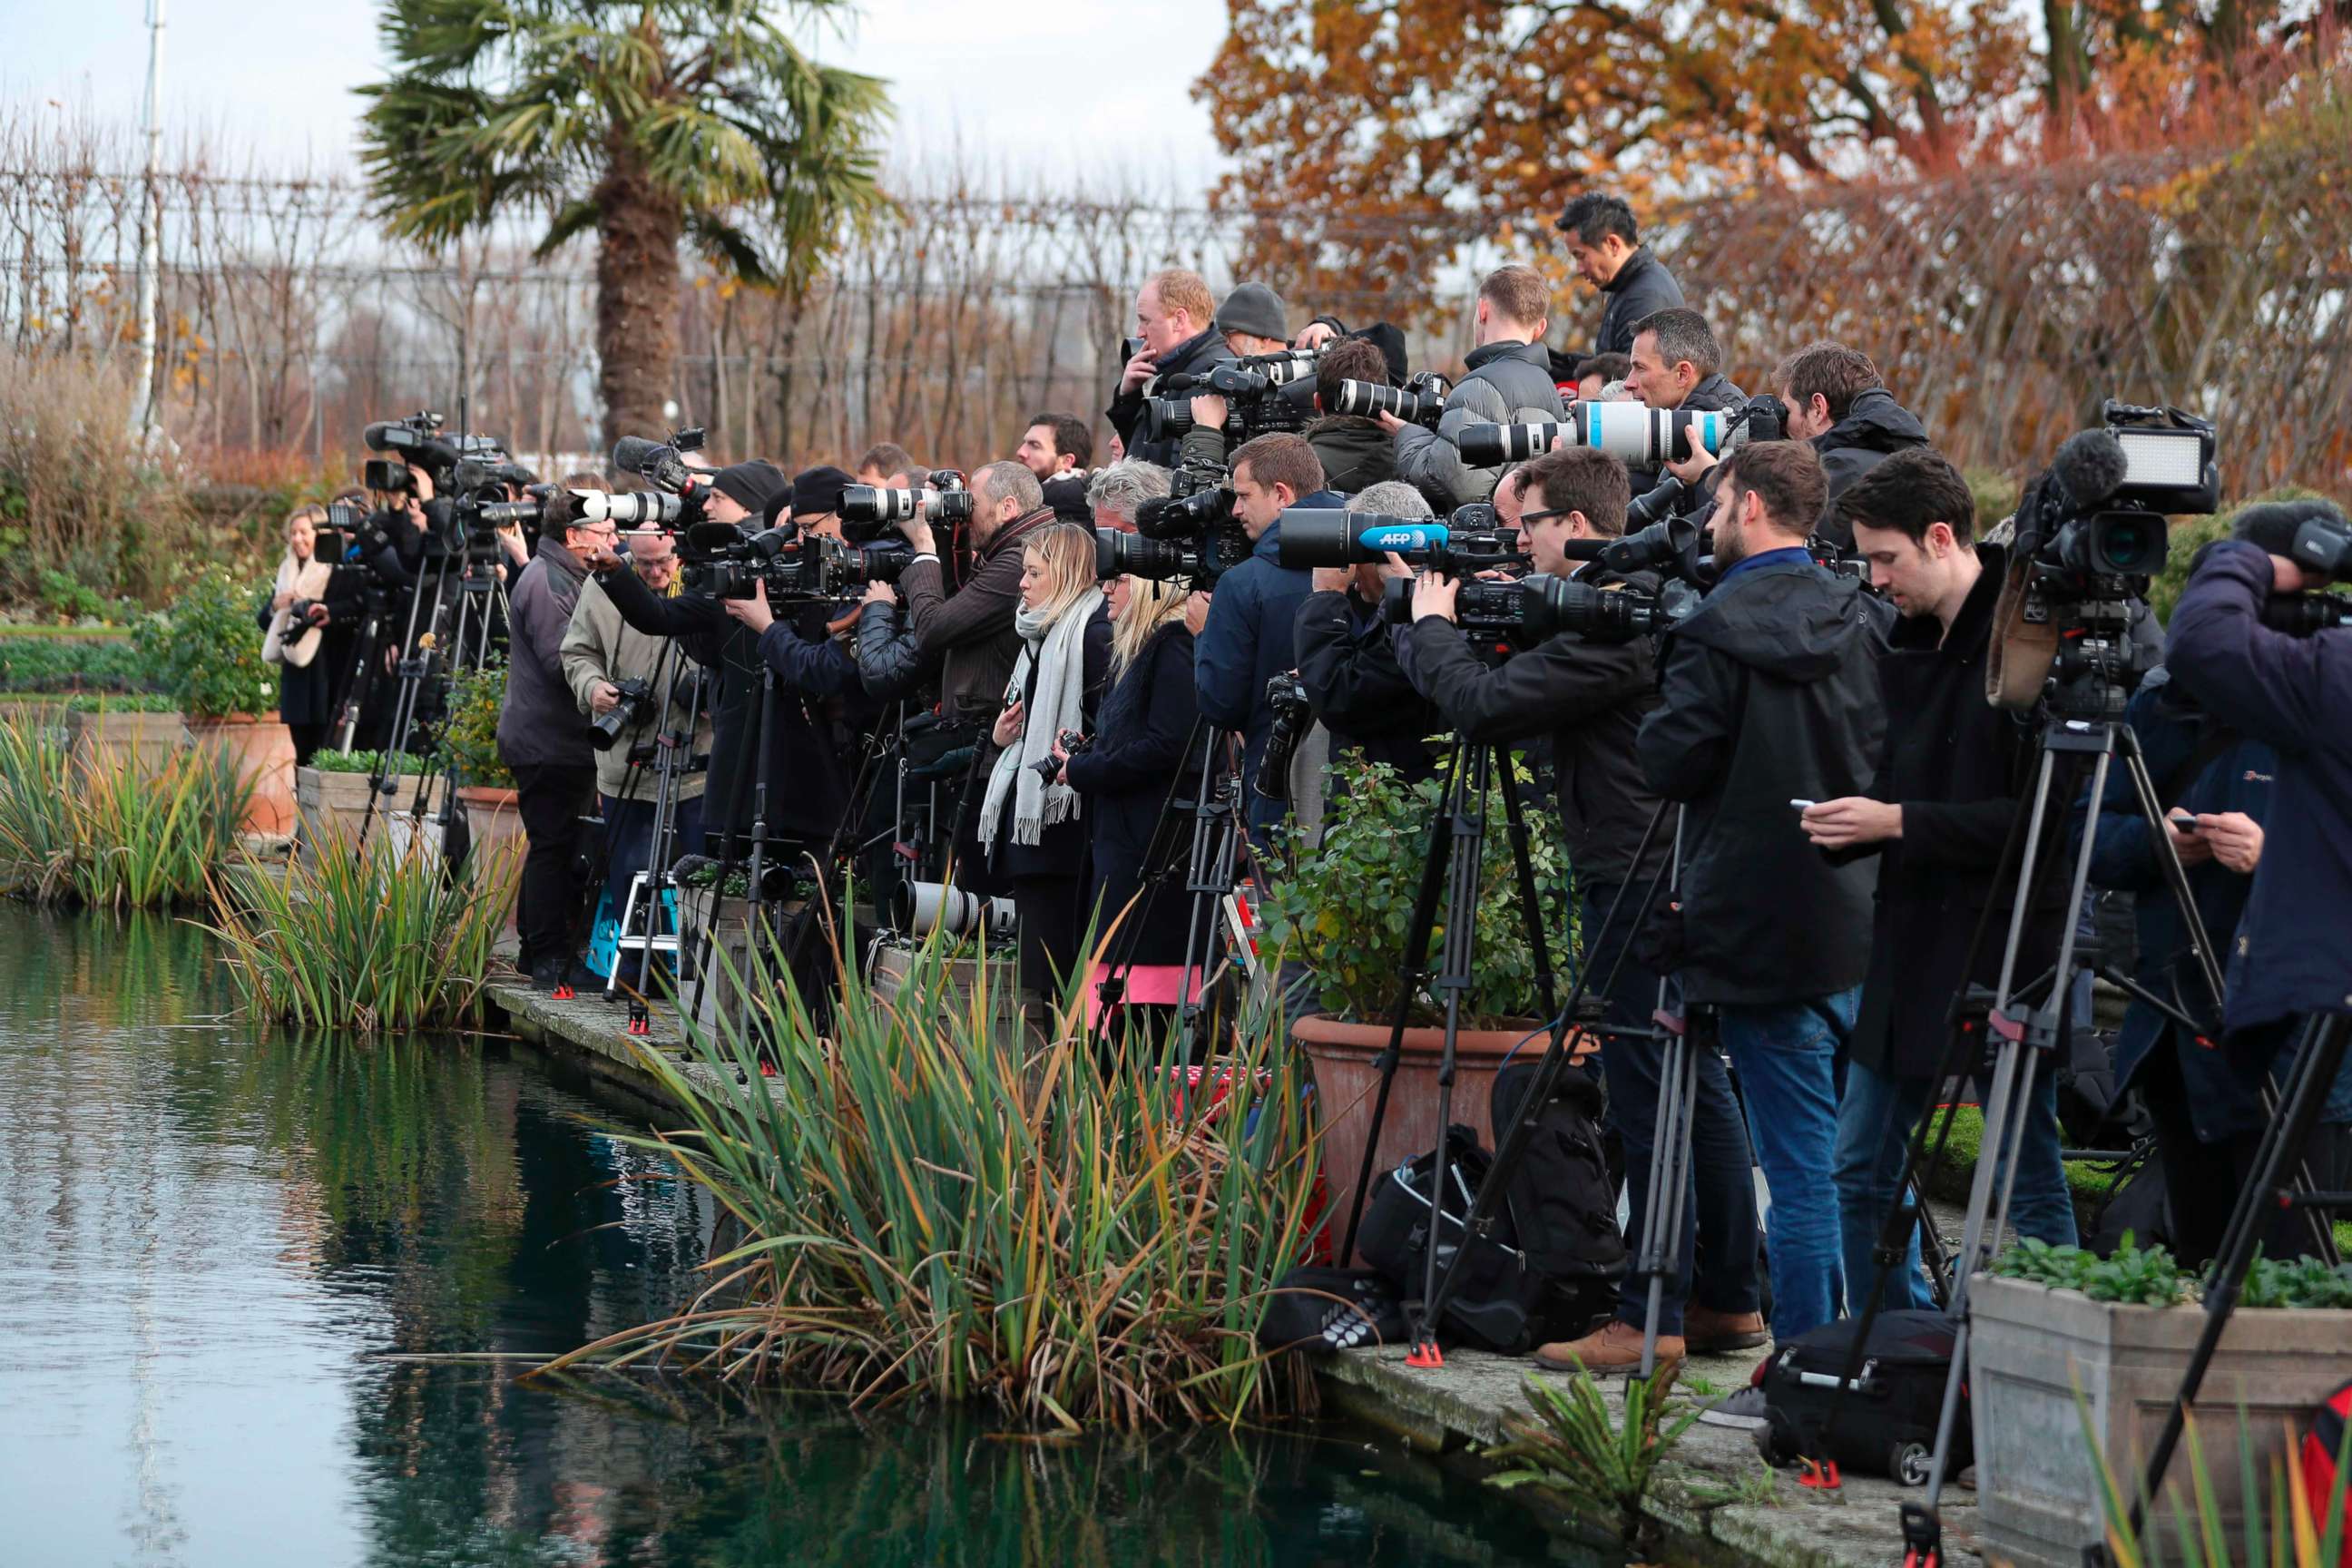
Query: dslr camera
x: 1420, y: 401
x: 1294, y: 717
x: 606, y: 729
x: 1500, y: 618
x: 1192, y: 537
x: 1252, y: 389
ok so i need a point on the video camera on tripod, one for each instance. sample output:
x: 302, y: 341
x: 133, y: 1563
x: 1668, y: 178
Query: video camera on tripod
x: 2090, y: 534
x: 475, y: 474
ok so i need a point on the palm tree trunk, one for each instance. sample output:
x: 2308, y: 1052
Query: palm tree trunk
x: 637, y: 227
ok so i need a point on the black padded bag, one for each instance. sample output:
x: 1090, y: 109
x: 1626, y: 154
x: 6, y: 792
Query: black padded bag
x: 1884, y: 1427
x: 1323, y: 1310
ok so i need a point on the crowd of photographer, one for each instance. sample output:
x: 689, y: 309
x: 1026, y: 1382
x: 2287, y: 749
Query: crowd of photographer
x: 1748, y: 644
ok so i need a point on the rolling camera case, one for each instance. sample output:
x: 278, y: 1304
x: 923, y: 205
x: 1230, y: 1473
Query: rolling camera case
x: 1886, y: 1425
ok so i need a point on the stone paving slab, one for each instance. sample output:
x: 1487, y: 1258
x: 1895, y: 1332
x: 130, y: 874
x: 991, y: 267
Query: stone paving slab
x: 1718, y: 1501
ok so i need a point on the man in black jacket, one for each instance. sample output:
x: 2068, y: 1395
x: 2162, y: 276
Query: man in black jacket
x: 1677, y: 364
x: 1592, y: 696
x: 1836, y: 400
x: 1175, y: 317
x: 1769, y: 696
x: 1348, y: 664
x: 1938, y: 817
x: 1356, y: 452
x: 544, y: 739
x: 1609, y: 254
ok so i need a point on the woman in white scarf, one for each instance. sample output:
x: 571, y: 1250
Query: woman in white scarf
x: 1029, y: 821
x: 303, y: 650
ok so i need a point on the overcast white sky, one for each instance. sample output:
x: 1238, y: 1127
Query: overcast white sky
x: 1057, y: 89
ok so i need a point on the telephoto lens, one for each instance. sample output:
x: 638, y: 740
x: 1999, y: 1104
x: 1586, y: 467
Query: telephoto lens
x: 1370, y: 399
x: 1627, y: 431
x: 1316, y: 536
x: 878, y: 503
x: 1118, y: 554
x: 630, y: 509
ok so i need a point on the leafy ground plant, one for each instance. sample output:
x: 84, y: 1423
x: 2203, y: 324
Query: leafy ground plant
x: 364, y: 762
x: 926, y: 1203
x: 2144, y: 1277
x: 1598, y: 1470
x: 384, y: 938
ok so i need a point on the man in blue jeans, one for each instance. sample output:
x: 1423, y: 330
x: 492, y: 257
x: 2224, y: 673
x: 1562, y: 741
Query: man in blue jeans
x: 1769, y: 695
x: 1937, y: 818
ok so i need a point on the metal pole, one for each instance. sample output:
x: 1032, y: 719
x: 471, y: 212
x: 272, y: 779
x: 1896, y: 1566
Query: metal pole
x: 150, y: 226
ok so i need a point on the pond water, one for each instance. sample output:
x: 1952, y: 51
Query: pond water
x: 214, y: 1248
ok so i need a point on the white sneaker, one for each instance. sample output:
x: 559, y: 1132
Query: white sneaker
x: 1745, y: 1410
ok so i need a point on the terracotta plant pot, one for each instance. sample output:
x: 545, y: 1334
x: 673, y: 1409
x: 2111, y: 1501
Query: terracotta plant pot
x: 495, y: 821
x: 145, y: 741
x: 263, y: 750
x: 1348, y: 1086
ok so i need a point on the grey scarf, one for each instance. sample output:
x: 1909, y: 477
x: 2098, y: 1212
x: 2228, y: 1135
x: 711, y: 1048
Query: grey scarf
x: 1057, y: 649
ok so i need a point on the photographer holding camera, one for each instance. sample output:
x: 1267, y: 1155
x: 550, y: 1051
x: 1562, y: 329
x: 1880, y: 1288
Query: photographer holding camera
x: 1347, y: 660
x: 1949, y: 776
x: 1508, y: 380
x: 2292, y: 690
x: 307, y: 630
x: 1248, y: 639
x: 1769, y: 695
x: 1590, y: 696
x: 970, y: 633
x: 544, y: 740
x: 1836, y: 400
x: 1174, y: 317
x: 1606, y: 246
x: 602, y: 655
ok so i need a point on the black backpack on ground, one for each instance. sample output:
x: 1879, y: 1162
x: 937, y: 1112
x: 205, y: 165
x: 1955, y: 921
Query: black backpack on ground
x: 1547, y: 1269
x: 1886, y: 1426
x: 1325, y: 1310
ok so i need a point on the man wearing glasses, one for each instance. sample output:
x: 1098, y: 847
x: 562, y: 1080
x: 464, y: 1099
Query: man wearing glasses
x: 544, y: 738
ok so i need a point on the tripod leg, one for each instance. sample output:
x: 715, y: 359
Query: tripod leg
x: 1514, y: 817
x: 1668, y: 1197
x: 1413, y: 967
x: 1467, y: 826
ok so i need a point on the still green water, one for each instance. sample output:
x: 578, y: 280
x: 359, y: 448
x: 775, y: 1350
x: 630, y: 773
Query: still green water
x: 211, y: 1243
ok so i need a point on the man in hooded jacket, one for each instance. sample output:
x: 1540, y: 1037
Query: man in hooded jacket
x: 1836, y: 400
x: 1768, y: 696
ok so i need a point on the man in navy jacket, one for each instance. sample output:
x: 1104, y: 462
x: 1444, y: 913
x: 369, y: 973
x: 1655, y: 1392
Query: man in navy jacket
x: 2290, y: 959
x: 1248, y: 639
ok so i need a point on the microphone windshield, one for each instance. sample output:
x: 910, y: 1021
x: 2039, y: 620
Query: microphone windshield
x: 2090, y: 467
x: 631, y: 452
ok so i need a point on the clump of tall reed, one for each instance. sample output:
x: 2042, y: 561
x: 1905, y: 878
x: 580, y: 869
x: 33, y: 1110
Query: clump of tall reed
x: 929, y: 1203
x: 104, y: 829
x: 2279, y: 1525
x: 385, y: 937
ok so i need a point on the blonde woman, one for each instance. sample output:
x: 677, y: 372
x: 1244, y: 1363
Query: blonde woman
x: 1144, y: 748
x: 1030, y: 824
x: 309, y: 650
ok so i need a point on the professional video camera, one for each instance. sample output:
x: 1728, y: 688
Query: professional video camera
x: 1468, y: 542
x: 1192, y: 537
x: 2322, y: 547
x: 1630, y: 431
x: 2090, y: 533
x: 1252, y: 390
x: 1508, y: 615
x: 417, y: 440
x: 606, y: 729
x: 1420, y: 401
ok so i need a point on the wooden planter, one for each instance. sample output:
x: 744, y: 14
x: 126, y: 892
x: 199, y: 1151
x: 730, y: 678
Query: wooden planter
x: 1348, y: 1085
x: 263, y: 750
x: 893, y: 959
x: 331, y: 805
x: 2030, y: 1348
x: 143, y: 740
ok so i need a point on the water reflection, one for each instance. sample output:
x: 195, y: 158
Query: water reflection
x: 209, y: 1243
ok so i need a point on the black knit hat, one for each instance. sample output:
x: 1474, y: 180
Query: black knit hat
x: 818, y: 490
x: 749, y: 485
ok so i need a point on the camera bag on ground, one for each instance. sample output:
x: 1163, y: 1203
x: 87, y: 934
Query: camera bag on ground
x: 1325, y: 1309
x: 1547, y: 1267
x: 1884, y: 1427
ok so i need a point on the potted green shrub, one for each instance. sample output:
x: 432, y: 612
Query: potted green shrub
x: 470, y: 753
x: 207, y: 651
x: 1344, y: 913
x: 2062, y: 1340
x: 332, y: 791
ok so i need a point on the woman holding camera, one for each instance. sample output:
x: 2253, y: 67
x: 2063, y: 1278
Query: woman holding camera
x: 1030, y: 825
x: 295, y: 635
x: 1142, y: 744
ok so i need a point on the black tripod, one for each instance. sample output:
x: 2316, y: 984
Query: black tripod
x: 1456, y: 843
x: 468, y: 648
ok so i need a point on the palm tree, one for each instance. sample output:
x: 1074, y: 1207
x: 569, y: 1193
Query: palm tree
x: 649, y: 121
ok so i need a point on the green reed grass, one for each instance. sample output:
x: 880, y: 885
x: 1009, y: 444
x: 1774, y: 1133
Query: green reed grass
x: 2277, y: 1529
x: 105, y: 830
x: 932, y: 1203
x: 383, y: 938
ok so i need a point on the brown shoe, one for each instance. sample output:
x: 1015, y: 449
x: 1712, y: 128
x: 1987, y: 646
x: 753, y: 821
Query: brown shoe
x: 1614, y: 1350
x: 1710, y: 1333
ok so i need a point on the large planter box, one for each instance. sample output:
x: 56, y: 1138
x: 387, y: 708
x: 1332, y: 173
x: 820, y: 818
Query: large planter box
x: 144, y: 741
x: 2029, y: 1349
x: 717, y: 1001
x: 892, y: 959
x: 333, y: 805
x: 263, y: 753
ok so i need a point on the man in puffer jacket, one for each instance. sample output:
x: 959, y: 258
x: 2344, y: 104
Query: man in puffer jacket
x: 1508, y: 381
x: 1836, y: 400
